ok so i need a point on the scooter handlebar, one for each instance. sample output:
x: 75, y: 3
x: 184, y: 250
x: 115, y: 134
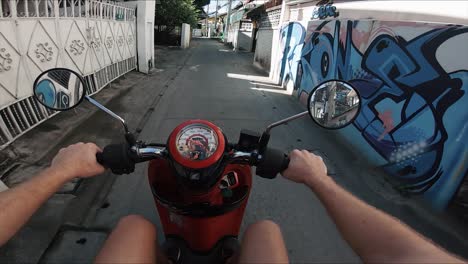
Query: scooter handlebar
x: 272, y: 162
x: 100, y: 158
x: 121, y: 158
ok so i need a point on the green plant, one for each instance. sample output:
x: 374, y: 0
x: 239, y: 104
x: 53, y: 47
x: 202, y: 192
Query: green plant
x: 173, y: 13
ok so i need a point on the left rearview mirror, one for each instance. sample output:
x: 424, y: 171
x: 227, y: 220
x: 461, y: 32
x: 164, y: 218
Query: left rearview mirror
x: 59, y: 89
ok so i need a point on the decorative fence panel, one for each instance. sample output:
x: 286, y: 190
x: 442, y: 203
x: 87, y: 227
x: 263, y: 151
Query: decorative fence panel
x: 92, y: 37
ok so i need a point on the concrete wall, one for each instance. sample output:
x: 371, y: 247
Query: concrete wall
x: 197, y: 33
x: 413, y: 79
x: 240, y: 35
x: 145, y: 33
x: 244, y: 40
x: 244, y: 36
x: 185, y: 36
x: 264, y: 48
x: 266, y: 54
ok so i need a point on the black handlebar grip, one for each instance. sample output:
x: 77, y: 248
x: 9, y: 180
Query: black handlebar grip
x: 285, y: 164
x: 118, y: 158
x: 273, y: 161
x: 100, y: 158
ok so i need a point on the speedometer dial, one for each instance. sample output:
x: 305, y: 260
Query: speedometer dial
x: 197, y: 142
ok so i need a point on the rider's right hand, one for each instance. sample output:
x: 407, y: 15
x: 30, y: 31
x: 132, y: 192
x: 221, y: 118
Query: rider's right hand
x: 305, y: 167
x: 78, y: 160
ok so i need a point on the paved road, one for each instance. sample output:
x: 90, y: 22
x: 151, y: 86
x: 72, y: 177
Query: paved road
x: 222, y: 86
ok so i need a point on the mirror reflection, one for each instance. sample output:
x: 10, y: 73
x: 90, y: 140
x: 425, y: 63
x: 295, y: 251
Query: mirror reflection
x: 334, y: 104
x: 59, y: 89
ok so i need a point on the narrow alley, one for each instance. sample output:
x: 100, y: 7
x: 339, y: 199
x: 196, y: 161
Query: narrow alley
x: 214, y: 83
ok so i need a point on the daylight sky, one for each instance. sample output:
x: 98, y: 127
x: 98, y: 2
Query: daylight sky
x: 222, y: 3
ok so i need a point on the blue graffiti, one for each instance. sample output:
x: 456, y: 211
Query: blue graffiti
x: 406, y: 97
x: 45, y: 91
x: 325, y: 11
x: 292, y: 36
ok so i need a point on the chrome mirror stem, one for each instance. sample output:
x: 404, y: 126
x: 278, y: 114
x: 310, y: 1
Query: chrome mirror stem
x: 265, y: 138
x: 103, y: 108
x: 284, y: 121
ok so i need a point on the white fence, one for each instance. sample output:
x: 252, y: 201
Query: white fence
x: 94, y: 38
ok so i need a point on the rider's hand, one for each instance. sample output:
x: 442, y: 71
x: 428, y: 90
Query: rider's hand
x: 305, y: 167
x: 78, y: 160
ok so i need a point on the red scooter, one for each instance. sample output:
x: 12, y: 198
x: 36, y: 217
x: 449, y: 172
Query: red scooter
x: 200, y: 182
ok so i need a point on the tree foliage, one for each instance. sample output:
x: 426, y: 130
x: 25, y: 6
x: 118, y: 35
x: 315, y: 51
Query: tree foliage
x: 172, y: 13
x: 201, y: 3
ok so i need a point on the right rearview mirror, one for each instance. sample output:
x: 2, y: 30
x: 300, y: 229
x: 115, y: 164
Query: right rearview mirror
x: 334, y: 104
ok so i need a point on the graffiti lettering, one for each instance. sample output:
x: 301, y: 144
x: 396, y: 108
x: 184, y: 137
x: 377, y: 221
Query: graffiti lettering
x: 293, y: 36
x: 387, y: 121
x: 406, y: 91
x: 325, y: 11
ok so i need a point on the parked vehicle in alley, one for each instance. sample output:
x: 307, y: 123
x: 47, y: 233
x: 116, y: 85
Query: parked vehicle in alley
x: 200, y: 181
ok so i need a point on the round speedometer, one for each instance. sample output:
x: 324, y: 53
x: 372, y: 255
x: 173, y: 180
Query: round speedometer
x: 197, y: 142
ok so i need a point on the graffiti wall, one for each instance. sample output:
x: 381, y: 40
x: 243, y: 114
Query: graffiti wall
x: 413, y: 79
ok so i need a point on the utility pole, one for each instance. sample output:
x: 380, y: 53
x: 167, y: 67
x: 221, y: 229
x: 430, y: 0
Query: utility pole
x: 228, y: 21
x: 216, y: 18
x: 206, y: 20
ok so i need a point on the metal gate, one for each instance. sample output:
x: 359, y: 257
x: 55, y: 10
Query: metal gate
x: 93, y: 37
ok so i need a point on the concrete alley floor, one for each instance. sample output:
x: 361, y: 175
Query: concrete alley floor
x: 211, y: 82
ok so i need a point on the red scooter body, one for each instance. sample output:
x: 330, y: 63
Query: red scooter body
x: 219, y: 217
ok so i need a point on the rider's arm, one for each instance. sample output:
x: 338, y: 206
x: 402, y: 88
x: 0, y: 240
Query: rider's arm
x: 18, y: 204
x: 374, y: 235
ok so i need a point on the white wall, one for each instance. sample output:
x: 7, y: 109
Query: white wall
x: 145, y: 34
x: 196, y: 33
x: 268, y: 41
x: 453, y: 12
x: 264, y: 48
x: 244, y: 40
x: 185, y: 36
x: 96, y: 39
x: 244, y: 36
